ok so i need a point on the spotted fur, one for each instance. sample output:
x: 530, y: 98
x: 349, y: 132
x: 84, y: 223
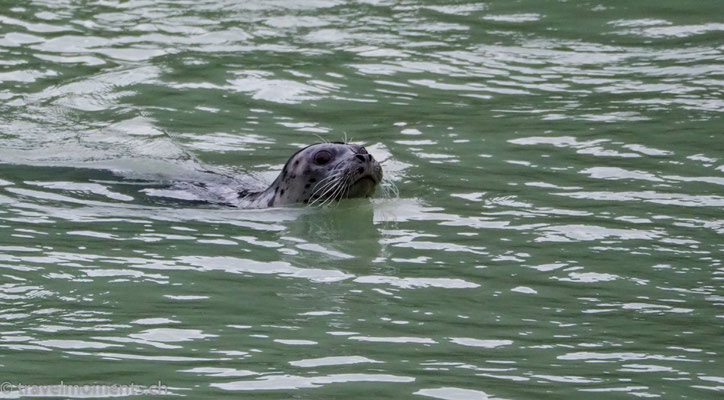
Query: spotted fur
x: 320, y: 174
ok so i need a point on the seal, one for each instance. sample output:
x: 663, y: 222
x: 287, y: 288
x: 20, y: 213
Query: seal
x: 319, y: 174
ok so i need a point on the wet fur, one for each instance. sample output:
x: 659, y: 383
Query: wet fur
x: 351, y: 172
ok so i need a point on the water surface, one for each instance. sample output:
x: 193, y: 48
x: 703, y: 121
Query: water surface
x: 557, y: 234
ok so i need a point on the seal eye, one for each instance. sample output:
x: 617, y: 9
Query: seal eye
x: 362, y: 150
x: 322, y: 157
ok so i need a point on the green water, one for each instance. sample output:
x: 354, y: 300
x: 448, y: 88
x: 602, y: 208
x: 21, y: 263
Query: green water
x: 558, y: 232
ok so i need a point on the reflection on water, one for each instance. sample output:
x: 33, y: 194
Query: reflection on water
x: 557, y: 232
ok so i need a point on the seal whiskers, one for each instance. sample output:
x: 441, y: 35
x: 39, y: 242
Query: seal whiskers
x: 329, y: 194
x: 389, y: 189
x: 324, y: 186
x: 337, y: 191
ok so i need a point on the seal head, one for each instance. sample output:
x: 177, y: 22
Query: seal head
x: 320, y: 174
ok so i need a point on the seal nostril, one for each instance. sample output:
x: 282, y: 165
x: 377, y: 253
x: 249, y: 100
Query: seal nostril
x: 360, y: 157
